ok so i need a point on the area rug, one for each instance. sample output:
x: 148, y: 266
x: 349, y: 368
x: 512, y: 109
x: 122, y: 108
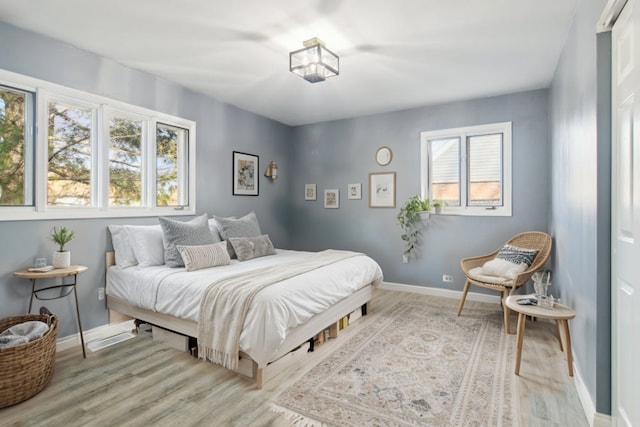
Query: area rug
x: 417, y: 364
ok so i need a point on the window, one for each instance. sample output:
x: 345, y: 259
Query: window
x: 126, y: 139
x: 469, y: 168
x: 96, y: 157
x: 172, y: 152
x: 16, y: 147
x: 69, y: 154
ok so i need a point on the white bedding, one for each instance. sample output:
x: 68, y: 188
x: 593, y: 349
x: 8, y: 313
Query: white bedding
x: 276, y: 309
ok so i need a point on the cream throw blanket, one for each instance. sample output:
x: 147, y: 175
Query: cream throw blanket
x: 225, y: 303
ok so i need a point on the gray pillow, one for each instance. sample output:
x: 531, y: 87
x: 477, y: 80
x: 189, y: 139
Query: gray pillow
x: 247, y: 248
x: 190, y: 233
x: 247, y: 226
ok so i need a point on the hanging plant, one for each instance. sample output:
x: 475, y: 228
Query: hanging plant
x: 410, y: 221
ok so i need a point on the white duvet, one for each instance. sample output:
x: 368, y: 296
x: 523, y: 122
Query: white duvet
x: 275, y: 309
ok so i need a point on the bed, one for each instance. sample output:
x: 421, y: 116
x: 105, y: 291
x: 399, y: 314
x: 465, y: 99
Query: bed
x: 280, y: 318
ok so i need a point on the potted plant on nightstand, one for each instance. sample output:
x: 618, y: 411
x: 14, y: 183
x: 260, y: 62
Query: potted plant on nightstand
x: 62, y: 257
x: 410, y: 220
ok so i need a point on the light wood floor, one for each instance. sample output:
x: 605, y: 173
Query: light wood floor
x: 137, y: 387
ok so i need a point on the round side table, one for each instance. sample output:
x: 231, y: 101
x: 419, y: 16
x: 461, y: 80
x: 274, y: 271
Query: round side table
x: 560, y: 313
x: 65, y: 288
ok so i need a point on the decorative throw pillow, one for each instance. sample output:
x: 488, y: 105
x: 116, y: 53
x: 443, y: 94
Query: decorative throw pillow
x: 509, y: 262
x: 215, y: 230
x: 247, y: 226
x: 502, y: 268
x: 247, y: 248
x: 517, y: 255
x: 189, y: 233
x: 122, y: 247
x: 204, y: 256
x: 146, y: 241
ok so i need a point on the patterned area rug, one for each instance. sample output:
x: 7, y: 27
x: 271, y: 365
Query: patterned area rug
x: 416, y: 365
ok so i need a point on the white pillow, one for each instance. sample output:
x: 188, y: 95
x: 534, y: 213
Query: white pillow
x: 147, y: 244
x: 122, y: 247
x: 203, y: 256
x: 503, y: 268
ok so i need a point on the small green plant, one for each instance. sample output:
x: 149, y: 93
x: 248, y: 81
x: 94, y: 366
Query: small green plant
x: 409, y: 220
x: 61, y: 237
x: 438, y: 204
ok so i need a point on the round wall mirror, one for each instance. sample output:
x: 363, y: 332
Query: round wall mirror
x: 384, y: 156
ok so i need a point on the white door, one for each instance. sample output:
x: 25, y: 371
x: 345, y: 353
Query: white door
x: 625, y: 233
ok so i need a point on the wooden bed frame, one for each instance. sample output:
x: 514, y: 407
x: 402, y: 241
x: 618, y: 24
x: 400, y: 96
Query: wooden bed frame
x: 294, y: 347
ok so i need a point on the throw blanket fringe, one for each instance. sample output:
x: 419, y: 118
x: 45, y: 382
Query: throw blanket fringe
x: 225, y: 304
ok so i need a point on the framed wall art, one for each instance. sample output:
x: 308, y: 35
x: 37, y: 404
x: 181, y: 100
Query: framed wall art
x: 384, y: 155
x: 382, y: 190
x: 331, y: 199
x: 245, y: 174
x: 310, y: 192
x: 354, y: 191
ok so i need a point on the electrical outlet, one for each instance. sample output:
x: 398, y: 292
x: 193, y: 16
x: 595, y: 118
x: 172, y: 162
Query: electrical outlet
x: 405, y: 259
x: 446, y: 278
x: 100, y: 294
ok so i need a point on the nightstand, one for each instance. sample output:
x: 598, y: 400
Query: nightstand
x: 65, y: 288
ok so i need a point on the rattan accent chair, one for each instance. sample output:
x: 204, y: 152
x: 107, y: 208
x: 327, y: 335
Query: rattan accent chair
x: 530, y: 240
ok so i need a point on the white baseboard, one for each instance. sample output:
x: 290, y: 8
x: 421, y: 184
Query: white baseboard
x: 594, y: 418
x: 602, y: 420
x: 439, y: 292
x: 97, y: 333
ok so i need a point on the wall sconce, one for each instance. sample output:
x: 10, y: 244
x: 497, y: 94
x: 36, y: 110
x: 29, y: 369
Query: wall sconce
x: 271, y: 171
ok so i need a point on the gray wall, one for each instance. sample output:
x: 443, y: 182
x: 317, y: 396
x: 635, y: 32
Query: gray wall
x: 562, y: 160
x: 580, y: 109
x: 221, y: 129
x: 334, y: 154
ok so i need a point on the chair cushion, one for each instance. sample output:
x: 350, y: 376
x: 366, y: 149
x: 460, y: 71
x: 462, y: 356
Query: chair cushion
x: 478, y: 274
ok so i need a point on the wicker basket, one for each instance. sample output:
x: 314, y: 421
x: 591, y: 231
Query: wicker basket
x: 27, y: 368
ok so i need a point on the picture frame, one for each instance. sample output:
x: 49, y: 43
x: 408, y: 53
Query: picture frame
x: 382, y: 190
x: 332, y: 199
x: 354, y: 191
x: 384, y: 155
x: 245, y: 174
x: 310, y: 192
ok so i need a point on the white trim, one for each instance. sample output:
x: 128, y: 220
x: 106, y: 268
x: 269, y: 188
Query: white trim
x: 610, y: 15
x: 462, y: 133
x: 439, y: 292
x: 594, y: 418
x: 101, y: 107
x: 602, y: 420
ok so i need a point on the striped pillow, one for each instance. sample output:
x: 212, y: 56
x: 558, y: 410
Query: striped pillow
x: 203, y: 256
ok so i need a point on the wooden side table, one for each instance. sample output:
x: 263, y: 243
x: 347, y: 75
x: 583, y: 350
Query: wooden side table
x: 65, y: 288
x: 560, y: 313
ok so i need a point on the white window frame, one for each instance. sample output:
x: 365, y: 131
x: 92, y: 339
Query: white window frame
x: 30, y: 141
x: 109, y: 113
x: 463, y: 133
x: 103, y: 109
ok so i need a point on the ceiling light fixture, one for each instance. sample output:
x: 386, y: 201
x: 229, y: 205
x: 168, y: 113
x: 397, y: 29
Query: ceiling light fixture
x: 314, y: 63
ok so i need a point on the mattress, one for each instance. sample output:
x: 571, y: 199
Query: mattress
x: 275, y: 309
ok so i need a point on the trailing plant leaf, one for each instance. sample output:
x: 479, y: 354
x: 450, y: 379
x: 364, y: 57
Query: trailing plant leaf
x: 410, y: 221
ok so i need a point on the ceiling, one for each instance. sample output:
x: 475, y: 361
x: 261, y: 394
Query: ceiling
x: 393, y: 54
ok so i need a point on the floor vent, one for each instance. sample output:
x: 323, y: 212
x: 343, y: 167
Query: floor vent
x: 109, y: 341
